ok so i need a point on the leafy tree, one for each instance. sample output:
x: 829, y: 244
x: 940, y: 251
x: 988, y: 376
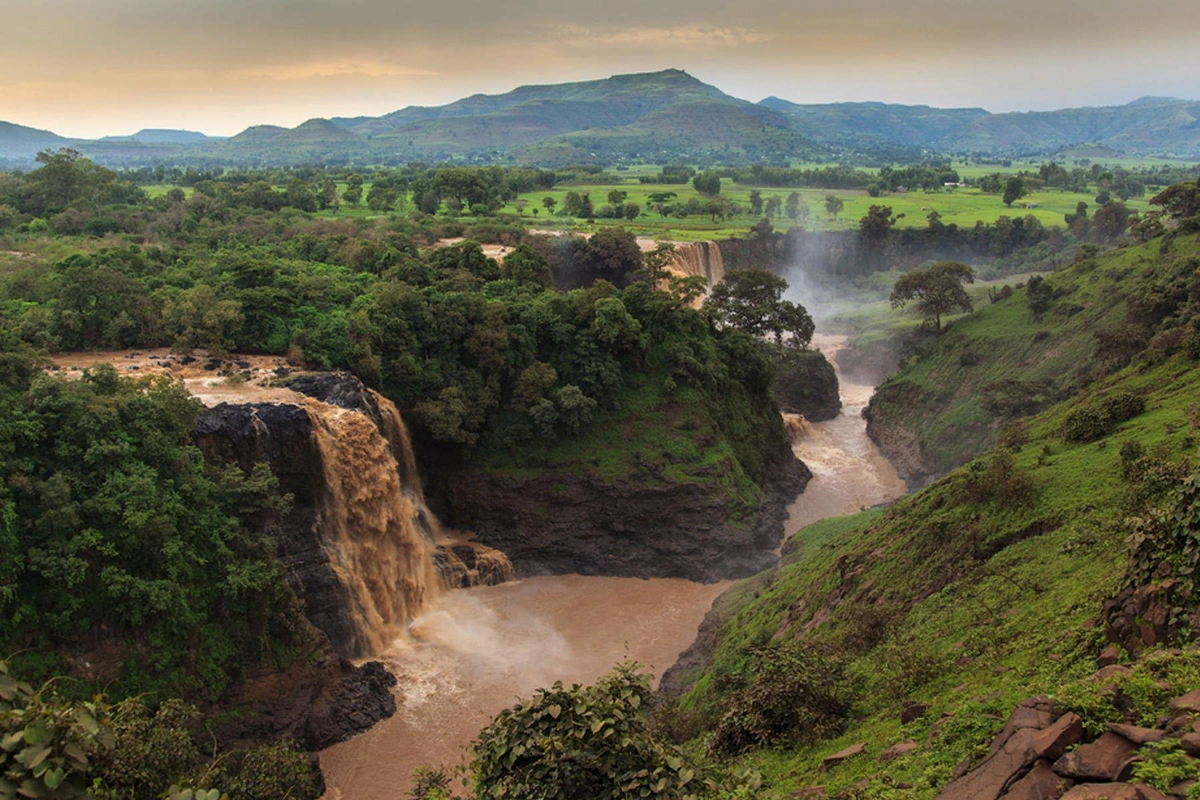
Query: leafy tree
x: 833, y: 205
x: 1179, y: 201
x: 771, y: 210
x: 616, y: 197
x: 580, y: 742
x: 525, y: 265
x: 632, y: 211
x: 354, y: 190
x: 549, y: 203
x: 756, y: 202
x: 876, y: 224
x: 751, y: 300
x: 707, y: 183
x: 792, y: 207
x: 1014, y: 188
x: 937, y: 290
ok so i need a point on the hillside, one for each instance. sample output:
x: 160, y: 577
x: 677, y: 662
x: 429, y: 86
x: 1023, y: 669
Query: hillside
x: 19, y: 141
x: 926, y: 623
x: 1005, y: 362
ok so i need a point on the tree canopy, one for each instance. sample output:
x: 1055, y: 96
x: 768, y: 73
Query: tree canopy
x: 751, y: 300
x: 937, y: 290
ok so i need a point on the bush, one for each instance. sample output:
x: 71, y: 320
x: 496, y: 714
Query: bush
x: 799, y: 693
x: 579, y: 742
x: 1098, y: 418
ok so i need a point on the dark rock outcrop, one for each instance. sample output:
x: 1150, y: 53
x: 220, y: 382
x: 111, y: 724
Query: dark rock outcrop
x: 564, y: 523
x: 805, y: 383
x: 281, y: 435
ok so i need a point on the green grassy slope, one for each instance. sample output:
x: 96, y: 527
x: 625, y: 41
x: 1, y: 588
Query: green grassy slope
x: 970, y: 595
x: 986, y: 365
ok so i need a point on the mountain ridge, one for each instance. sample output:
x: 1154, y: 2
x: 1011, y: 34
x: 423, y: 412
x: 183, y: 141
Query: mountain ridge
x: 654, y: 116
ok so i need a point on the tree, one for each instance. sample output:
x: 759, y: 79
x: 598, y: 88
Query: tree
x: 616, y: 197
x: 876, y: 224
x: 1014, y: 188
x: 771, y: 210
x: 756, y: 202
x: 1179, y: 201
x: 549, y: 203
x: 792, y: 207
x: 707, y: 183
x: 632, y: 211
x: 937, y: 290
x: 751, y: 300
x: 833, y: 205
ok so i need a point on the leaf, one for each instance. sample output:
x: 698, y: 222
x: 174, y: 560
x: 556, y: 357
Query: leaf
x: 8, y: 687
x: 86, y: 719
x: 12, y: 741
x: 36, y: 733
x: 685, y: 775
x: 39, y: 758
x: 554, y: 711
x: 74, y: 752
x: 54, y: 778
x: 30, y: 788
x: 597, y: 725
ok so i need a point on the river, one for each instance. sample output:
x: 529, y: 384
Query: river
x: 481, y: 650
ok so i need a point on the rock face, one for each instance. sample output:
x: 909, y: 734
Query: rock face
x: 282, y: 436
x: 900, y: 446
x: 559, y: 523
x: 805, y: 383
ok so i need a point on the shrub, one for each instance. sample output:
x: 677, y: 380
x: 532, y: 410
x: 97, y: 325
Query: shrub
x: 799, y: 693
x: 1098, y: 418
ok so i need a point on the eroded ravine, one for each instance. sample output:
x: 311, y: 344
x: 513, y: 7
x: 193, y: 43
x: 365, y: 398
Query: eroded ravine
x: 849, y: 472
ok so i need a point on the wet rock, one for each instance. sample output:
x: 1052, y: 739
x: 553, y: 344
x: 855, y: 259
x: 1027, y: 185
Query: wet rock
x: 1190, y: 742
x: 1146, y: 792
x: 841, y: 755
x: 1101, y: 760
x: 805, y: 383
x: 898, y: 749
x: 361, y: 699
x: 563, y: 523
x: 1040, y: 783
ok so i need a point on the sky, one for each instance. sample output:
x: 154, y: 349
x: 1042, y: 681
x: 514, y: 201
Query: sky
x: 87, y: 68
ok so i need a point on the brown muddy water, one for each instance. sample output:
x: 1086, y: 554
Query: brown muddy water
x: 482, y: 650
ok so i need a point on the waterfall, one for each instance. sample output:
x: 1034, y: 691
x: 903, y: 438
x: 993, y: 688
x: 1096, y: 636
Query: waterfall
x: 374, y: 525
x: 700, y: 258
x: 796, y: 426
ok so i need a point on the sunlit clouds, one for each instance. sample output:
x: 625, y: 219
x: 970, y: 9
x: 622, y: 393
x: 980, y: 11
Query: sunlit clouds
x: 95, y: 67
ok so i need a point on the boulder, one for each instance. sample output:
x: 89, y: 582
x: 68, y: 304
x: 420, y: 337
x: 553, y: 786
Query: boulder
x: 1054, y: 741
x: 1040, y: 783
x: 841, y: 755
x: 1103, y: 791
x: 1189, y: 703
x: 1109, y: 656
x: 1191, y: 744
x: 912, y: 711
x: 1133, y: 733
x: 898, y: 749
x: 1101, y: 760
x: 1011, y: 754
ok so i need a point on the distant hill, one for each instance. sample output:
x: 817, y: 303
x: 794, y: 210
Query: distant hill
x: 18, y: 141
x: 1164, y: 126
x: 657, y: 117
x: 161, y: 136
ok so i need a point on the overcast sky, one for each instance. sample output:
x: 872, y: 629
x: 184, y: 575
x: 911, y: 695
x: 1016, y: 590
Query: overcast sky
x: 88, y: 68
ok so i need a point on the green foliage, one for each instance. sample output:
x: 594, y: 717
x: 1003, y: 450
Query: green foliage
x: 1100, y: 417
x: 1164, y: 765
x: 1165, y: 543
x: 580, y: 742
x: 797, y: 693
x: 110, y: 523
x: 47, y: 747
x: 937, y: 290
x: 750, y: 300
